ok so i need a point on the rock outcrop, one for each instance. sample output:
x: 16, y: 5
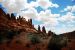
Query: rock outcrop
x: 50, y: 33
x: 39, y: 29
x: 10, y: 21
x: 43, y: 29
x: 17, y: 33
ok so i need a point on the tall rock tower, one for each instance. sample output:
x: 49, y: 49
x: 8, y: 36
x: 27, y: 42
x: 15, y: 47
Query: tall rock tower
x: 30, y: 21
x: 13, y: 17
x: 8, y: 16
x: 39, y: 30
x: 43, y: 29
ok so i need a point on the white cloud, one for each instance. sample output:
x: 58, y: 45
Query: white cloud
x: 69, y: 8
x: 53, y: 23
x: 73, y: 8
x: 30, y: 13
x: 48, y: 18
x: 68, y: 23
x: 68, y: 17
x: 14, y: 6
x: 46, y: 3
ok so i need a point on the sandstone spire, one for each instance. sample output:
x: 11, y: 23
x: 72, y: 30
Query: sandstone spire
x: 13, y: 17
x: 8, y: 16
x: 39, y: 30
x: 30, y: 21
x: 43, y: 29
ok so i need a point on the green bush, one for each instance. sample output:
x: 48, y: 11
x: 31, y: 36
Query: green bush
x: 6, y: 35
x: 34, y: 39
x: 57, y: 42
x: 1, y: 39
x: 28, y: 45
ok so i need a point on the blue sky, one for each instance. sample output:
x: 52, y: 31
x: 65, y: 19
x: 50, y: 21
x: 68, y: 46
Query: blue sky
x: 55, y: 15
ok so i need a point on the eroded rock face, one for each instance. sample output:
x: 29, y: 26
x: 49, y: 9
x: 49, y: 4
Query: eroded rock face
x: 10, y: 27
x: 21, y: 34
x: 43, y: 29
x: 13, y: 23
x: 39, y: 29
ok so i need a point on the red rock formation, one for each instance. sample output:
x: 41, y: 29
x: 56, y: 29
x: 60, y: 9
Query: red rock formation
x: 30, y: 21
x: 50, y: 33
x: 13, y: 17
x: 10, y: 21
x: 43, y: 29
x: 8, y: 16
x: 2, y: 13
x: 39, y: 30
x: 10, y: 25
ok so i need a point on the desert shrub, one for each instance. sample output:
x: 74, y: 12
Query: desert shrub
x: 37, y: 49
x: 11, y: 33
x: 18, y: 41
x: 57, y: 42
x: 6, y: 35
x: 28, y: 45
x: 34, y: 39
x: 69, y: 40
x: 1, y: 39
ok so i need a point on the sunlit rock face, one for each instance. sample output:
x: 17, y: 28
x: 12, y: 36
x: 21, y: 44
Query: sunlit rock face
x: 11, y: 21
